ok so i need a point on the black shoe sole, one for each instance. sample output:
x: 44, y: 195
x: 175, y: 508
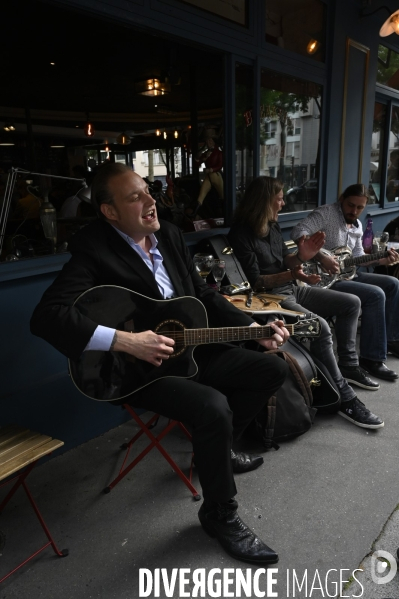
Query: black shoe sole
x: 209, y: 530
x: 382, y: 377
x: 354, y: 382
x: 361, y: 424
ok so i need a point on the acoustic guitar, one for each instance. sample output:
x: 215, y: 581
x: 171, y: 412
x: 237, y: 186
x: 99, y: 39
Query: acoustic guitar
x: 108, y: 375
x: 261, y: 303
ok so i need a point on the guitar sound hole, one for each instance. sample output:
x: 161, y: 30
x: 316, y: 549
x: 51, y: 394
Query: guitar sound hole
x: 175, y: 330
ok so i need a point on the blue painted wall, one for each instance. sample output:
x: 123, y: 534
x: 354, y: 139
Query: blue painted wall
x: 36, y: 390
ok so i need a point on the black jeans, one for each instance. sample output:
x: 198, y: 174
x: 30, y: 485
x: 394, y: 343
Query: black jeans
x: 231, y: 387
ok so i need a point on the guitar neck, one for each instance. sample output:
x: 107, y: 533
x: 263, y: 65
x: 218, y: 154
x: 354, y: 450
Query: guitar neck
x: 226, y: 334
x: 365, y: 258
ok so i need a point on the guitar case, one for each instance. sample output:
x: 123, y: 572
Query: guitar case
x: 307, y: 389
x: 326, y: 396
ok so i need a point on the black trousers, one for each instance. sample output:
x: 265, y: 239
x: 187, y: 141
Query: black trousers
x: 231, y: 387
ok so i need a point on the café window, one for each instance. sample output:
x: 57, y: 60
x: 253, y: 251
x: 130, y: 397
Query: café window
x: 388, y: 67
x: 298, y: 26
x: 67, y: 131
x: 377, y: 174
x: 291, y: 108
x: 384, y: 152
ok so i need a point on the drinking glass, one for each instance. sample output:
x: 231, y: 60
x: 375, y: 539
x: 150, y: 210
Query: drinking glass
x: 203, y: 264
x: 380, y: 240
x: 384, y: 240
x: 218, y: 271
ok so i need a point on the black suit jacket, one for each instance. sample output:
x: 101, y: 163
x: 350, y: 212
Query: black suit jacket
x: 100, y: 256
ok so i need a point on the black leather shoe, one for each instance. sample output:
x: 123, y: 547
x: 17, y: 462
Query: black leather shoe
x: 357, y: 376
x: 378, y: 369
x: 243, y: 462
x: 221, y: 520
x: 393, y: 348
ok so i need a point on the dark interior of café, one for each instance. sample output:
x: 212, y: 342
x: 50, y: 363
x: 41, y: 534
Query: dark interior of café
x: 79, y: 91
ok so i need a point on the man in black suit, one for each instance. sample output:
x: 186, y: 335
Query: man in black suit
x: 126, y: 247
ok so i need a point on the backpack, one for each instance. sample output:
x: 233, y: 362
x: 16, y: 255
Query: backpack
x: 291, y: 411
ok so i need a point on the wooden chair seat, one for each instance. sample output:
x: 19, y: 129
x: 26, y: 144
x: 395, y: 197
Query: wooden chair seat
x: 20, y: 449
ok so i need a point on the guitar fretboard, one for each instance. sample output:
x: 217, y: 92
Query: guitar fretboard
x: 365, y: 258
x: 226, y: 334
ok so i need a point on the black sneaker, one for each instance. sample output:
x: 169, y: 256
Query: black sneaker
x: 358, y: 376
x: 355, y: 411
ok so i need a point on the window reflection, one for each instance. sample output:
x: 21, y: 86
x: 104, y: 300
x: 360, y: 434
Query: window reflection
x: 289, y: 135
x: 244, y: 128
x: 297, y: 26
x: 392, y: 191
x: 156, y: 137
x: 376, y: 155
x: 388, y: 67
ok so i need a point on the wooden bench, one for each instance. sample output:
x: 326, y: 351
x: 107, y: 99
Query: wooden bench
x: 20, y: 449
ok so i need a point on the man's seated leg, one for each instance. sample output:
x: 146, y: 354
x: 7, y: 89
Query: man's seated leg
x: 390, y: 286
x: 322, y: 347
x: 373, y: 332
x: 209, y: 416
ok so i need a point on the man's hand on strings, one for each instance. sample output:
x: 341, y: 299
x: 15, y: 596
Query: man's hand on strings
x: 147, y: 346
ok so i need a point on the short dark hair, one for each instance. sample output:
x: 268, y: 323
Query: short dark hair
x: 358, y: 190
x: 100, y: 193
x: 255, y: 209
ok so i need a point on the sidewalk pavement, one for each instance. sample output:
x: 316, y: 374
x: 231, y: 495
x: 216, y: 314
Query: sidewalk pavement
x: 325, y: 501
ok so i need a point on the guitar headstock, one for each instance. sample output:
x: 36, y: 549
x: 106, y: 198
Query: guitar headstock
x: 307, y: 327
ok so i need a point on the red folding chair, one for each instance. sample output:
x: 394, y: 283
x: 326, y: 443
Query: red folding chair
x: 21, y: 448
x: 155, y: 441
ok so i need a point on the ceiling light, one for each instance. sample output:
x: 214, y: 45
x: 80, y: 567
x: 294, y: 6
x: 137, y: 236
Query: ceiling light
x: 6, y: 144
x: 89, y: 129
x: 57, y: 146
x: 165, y: 135
x: 312, y: 46
x: 52, y: 64
x: 152, y: 87
x: 9, y: 127
x: 176, y: 134
x: 157, y: 132
x: 123, y: 139
x: 391, y: 25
